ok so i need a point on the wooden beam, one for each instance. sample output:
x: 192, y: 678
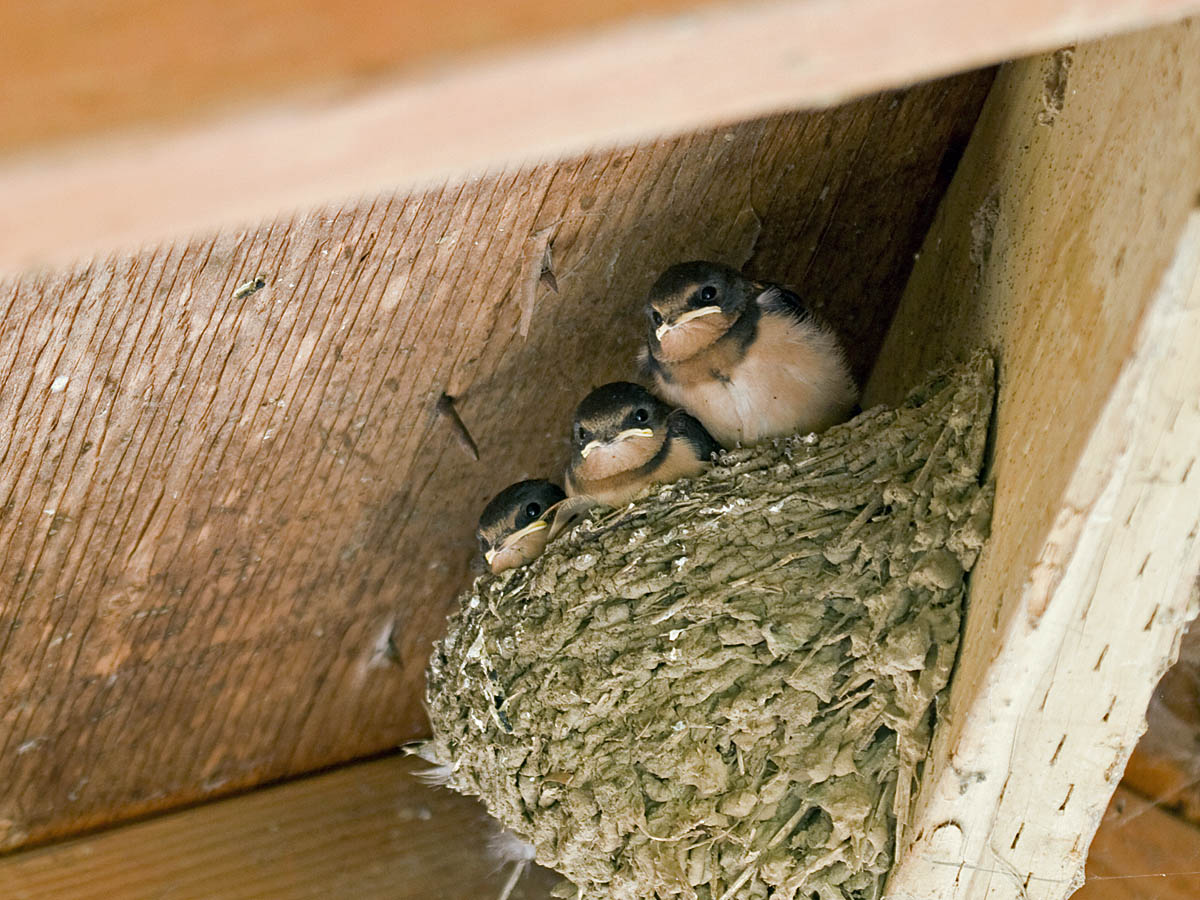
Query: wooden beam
x: 1053, y: 246
x: 1142, y: 853
x: 1165, y: 765
x: 368, y: 832
x: 75, y: 68
x: 372, y: 831
x: 228, y: 481
x: 229, y: 118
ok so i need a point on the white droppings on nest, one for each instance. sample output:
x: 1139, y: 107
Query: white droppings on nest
x: 476, y: 648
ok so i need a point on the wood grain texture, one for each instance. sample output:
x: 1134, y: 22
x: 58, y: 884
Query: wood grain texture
x: 1051, y: 246
x: 1165, y: 765
x: 131, y: 121
x: 219, y: 501
x: 1142, y: 853
x: 373, y: 832
x: 78, y: 67
x: 365, y: 832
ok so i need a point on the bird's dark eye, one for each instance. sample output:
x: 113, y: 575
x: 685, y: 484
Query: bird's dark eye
x: 641, y: 415
x: 708, y: 292
x: 533, y: 510
x: 581, y: 434
x: 656, y: 317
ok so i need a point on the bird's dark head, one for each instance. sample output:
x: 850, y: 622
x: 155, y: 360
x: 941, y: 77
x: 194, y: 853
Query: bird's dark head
x: 618, y: 427
x: 514, y: 526
x: 692, y: 304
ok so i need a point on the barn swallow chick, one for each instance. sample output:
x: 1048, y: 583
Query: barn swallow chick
x: 624, y: 439
x: 514, y: 527
x: 744, y: 357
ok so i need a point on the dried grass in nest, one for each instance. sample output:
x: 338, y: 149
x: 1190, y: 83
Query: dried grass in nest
x: 726, y: 689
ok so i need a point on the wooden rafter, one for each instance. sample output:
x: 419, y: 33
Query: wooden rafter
x: 1068, y: 242
x: 180, y: 164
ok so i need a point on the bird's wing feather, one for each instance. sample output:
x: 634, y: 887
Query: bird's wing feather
x: 689, y: 428
x: 778, y: 299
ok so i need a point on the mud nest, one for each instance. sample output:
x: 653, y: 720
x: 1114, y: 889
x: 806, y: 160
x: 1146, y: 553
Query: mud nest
x: 727, y: 688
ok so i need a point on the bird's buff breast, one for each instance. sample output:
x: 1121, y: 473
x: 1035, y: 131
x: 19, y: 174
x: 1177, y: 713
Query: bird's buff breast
x: 792, y: 378
x: 620, y: 488
x: 608, y: 462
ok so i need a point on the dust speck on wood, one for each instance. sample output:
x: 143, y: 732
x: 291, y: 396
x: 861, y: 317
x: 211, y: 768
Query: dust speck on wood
x: 728, y: 687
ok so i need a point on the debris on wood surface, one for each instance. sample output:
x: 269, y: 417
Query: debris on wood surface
x: 727, y: 688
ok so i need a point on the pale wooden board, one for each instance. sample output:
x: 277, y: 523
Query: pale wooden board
x: 319, y: 101
x: 1051, y: 247
x: 1142, y: 853
x: 214, y: 508
x: 366, y: 832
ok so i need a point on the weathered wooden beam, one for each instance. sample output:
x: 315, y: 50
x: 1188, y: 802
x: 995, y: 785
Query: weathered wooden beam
x: 1070, y: 243
x: 367, y: 832
x: 231, y: 117
x: 225, y: 480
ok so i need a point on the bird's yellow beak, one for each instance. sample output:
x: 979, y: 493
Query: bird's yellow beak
x: 566, y: 513
x: 684, y: 319
x: 635, y: 432
x: 535, y: 525
x: 625, y: 435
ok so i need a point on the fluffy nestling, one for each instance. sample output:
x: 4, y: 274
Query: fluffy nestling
x: 515, y: 525
x: 624, y: 439
x: 744, y: 357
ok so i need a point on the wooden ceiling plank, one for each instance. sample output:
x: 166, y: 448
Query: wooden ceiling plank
x: 370, y: 831
x: 118, y: 143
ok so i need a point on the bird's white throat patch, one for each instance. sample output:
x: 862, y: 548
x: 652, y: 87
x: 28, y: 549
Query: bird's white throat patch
x: 691, y: 333
x: 630, y: 449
